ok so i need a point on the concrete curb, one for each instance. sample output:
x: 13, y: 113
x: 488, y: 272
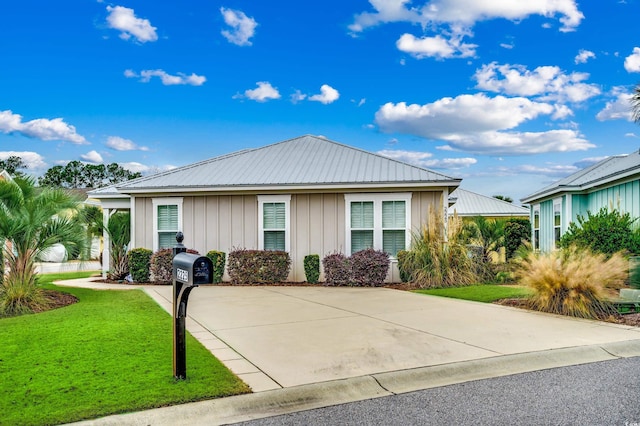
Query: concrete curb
x: 288, y: 400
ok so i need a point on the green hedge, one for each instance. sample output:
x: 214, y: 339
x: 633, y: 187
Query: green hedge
x: 218, y: 258
x: 312, y: 268
x: 139, y: 259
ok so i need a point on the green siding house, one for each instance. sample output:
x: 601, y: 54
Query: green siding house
x: 612, y: 182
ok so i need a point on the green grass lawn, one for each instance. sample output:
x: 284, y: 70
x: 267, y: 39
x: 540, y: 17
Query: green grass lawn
x: 109, y: 353
x: 480, y: 293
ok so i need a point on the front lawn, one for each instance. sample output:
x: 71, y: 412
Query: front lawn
x: 109, y: 353
x: 487, y: 293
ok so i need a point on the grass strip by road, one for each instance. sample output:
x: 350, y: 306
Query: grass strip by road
x: 486, y: 293
x: 109, y: 353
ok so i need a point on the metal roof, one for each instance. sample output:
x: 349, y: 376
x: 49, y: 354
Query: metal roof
x: 608, y: 170
x: 304, y: 161
x: 467, y: 203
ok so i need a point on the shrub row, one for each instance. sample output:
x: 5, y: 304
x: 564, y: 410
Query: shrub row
x: 258, y: 266
x: 367, y: 267
x: 147, y: 266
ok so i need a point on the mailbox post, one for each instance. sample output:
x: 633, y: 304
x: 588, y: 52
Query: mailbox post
x: 189, y: 271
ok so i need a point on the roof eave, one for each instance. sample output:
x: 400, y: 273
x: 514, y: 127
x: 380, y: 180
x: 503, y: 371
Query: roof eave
x: 290, y: 187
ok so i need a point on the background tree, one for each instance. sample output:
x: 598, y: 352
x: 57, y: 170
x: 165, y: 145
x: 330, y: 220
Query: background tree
x: 33, y: 219
x: 80, y: 175
x: 12, y: 165
x: 635, y: 104
x: 504, y: 198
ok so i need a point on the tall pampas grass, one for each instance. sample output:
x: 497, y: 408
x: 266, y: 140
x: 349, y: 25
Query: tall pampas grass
x: 572, y: 281
x: 437, y: 259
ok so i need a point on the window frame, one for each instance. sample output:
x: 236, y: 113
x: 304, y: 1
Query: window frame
x: 284, y: 198
x: 557, y: 202
x: 377, y: 199
x: 168, y: 201
x: 535, y: 238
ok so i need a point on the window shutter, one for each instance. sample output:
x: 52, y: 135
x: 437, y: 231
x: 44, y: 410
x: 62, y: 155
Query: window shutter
x: 362, y: 214
x: 274, y: 216
x: 168, y: 217
x: 393, y: 214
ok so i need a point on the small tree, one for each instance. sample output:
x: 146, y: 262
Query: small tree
x: 607, y: 231
x: 33, y: 219
x: 516, y: 233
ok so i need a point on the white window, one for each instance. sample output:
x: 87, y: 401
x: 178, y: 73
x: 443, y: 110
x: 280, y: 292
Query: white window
x: 378, y: 221
x: 273, y: 222
x: 557, y: 220
x: 167, y: 221
x: 536, y: 227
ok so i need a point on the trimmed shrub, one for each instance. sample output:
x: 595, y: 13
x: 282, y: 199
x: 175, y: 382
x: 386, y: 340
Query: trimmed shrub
x: 218, y: 258
x: 258, y: 266
x: 573, y: 281
x: 337, y: 269
x: 369, y: 267
x: 607, y: 231
x: 139, y: 260
x: 161, y: 268
x: 312, y: 268
x: 516, y: 232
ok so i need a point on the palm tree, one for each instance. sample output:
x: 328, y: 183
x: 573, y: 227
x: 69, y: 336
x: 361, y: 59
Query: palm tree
x: 118, y: 229
x: 32, y: 220
x: 635, y: 104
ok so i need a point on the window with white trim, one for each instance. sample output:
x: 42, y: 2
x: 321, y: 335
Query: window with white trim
x: 378, y: 221
x: 273, y: 222
x: 167, y: 221
x: 557, y: 220
x: 536, y: 227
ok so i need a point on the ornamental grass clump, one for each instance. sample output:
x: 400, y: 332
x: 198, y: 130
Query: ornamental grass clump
x: 572, y: 281
x: 437, y: 259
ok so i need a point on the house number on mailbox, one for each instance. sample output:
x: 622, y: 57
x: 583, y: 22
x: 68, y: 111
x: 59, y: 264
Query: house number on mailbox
x: 182, y: 275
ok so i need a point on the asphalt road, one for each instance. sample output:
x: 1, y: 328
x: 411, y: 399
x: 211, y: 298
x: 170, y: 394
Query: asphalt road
x: 603, y: 393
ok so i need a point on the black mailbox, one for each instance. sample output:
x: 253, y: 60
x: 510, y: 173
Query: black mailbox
x: 192, y: 269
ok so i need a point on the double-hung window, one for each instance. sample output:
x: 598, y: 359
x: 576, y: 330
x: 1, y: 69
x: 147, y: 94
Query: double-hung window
x: 536, y: 227
x: 378, y: 221
x: 273, y: 222
x: 557, y: 220
x: 167, y: 221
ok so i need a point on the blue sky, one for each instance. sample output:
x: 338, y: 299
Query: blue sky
x: 509, y: 95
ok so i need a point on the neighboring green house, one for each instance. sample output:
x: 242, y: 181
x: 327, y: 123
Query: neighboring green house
x: 612, y: 182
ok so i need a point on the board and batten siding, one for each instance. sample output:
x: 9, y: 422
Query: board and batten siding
x: 227, y: 222
x: 624, y: 197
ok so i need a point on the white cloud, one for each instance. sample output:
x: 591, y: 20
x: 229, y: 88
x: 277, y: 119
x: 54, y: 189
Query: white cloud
x: 123, y: 19
x: 423, y: 159
x: 548, y: 170
x: 264, y: 92
x: 546, y: 82
x: 465, y: 12
x: 632, y: 62
x: 40, y: 128
x: 477, y: 123
x: 297, y: 96
x: 326, y: 96
x: 617, y: 109
x: 121, y: 144
x: 242, y: 27
x: 167, y: 79
x: 33, y: 160
x: 437, y: 47
x: 583, y: 56
x: 92, y: 157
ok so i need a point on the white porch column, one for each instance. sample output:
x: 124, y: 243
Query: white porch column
x: 106, y: 252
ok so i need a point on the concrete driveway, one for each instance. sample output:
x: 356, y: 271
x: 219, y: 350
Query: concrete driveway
x: 275, y: 337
